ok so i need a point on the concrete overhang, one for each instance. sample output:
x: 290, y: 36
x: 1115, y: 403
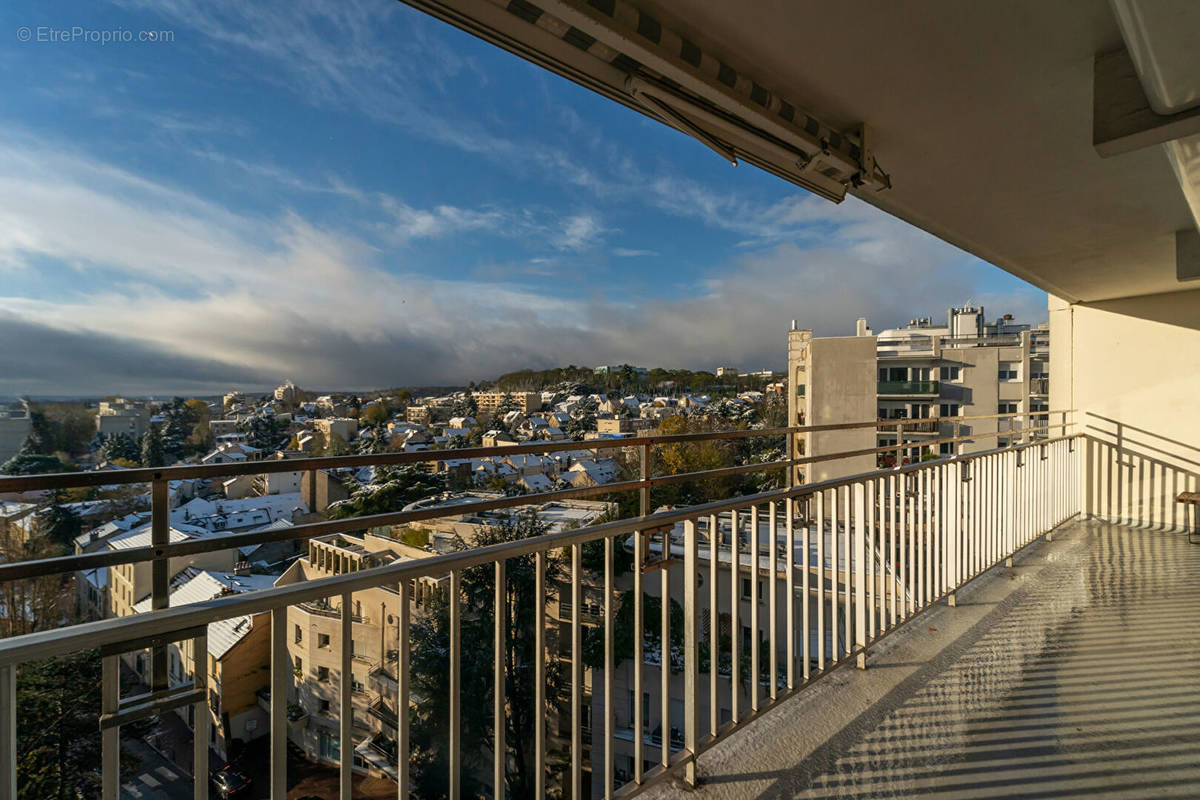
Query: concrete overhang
x: 981, y: 113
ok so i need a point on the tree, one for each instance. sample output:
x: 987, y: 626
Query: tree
x: 119, y: 446
x: 391, y: 490
x: 262, y: 431
x: 30, y: 460
x: 57, y: 714
x: 430, y: 668
x: 58, y: 523
x: 152, y: 447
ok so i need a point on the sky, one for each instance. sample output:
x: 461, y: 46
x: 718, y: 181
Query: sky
x: 354, y: 195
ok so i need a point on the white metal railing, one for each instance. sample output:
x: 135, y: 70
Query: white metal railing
x: 845, y: 562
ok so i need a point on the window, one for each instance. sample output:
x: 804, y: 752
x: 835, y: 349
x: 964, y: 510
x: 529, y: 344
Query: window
x: 322, y: 673
x: 322, y: 640
x: 920, y: 373
x: 949, y: 409
x: 946, y: 448
x: 323, y: 706
x: 299, y: 634
x: 298, y: 665
x: 1006, y: 408
x: 1009, y: 371
x: 745, y: 588
x: 951, y: 373
x: 920, y: 411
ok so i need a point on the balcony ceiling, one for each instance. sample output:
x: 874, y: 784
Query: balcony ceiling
x: 982, y: 114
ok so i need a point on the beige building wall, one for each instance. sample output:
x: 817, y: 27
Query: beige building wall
x: 840, y: 380
x: 1131, y: 369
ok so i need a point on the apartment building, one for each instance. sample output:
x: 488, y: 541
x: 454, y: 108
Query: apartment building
x: 129, y: 584
x: 344, y: 427
x: 314, y: 645
x: 237, y: 661
x: 15, y: 427
x: 526, y: 402
x: 921, y: 377
x: 287, y: 393
x: 122, y: 416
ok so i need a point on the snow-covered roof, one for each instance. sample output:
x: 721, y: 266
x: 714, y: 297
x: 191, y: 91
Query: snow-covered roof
x: 205, y: 585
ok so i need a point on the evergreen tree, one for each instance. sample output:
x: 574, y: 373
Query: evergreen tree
x: 30, y: 460
x: 57, y: 523
x: 152, y: 447
x: 430, y: 669
x: 120, y: 445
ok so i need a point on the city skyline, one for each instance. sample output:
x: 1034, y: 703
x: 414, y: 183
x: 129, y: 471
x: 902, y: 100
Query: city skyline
x: 367, y: 198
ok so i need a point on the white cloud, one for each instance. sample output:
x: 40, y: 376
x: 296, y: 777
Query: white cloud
x: 626, y: 252
x: 195, y: 296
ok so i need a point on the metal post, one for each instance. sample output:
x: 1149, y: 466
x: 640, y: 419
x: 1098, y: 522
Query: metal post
x: 8, y: 731
x: 789, y: 589
x: 576, y: 674
x: 110, y: 738
x: 639, y: 658
x: 609, y: 760
x: 281, y: 670
x: 664, y: 663
x: 714, y: 623
x: 455, y: 686
x: 860, y: 579
x: 346, y: 712
x: 691, y: 663
x: 754, y: 598
x: 402, y: 691
x: 644, y: 475
x: 735, y: 606
x: 500, y: 748
x: 200, y: 730
x: 160, y: 573
x: 772, y: 592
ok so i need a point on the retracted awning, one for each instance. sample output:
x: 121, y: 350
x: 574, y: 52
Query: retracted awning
x: 623, y: 53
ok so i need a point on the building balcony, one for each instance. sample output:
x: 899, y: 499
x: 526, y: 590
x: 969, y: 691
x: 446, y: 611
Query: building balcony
x: 908, y: 388
x: 1040, y: 386
x: 932, y: 425
x: 853, y: 560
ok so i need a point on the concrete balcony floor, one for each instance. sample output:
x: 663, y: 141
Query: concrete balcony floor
x: 1074, y: 674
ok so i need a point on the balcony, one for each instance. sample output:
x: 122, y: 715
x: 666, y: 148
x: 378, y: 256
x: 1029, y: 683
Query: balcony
x: 908, y: 387
x: 931, y: 425
x: 859, y: 556
x: 1039, y: 386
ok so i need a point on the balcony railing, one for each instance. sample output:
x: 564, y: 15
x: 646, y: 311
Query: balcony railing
x: 907, y: 387
x: 930, y: 425
x: 870, y: 550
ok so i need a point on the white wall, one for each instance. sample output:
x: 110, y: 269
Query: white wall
x: 1131, y: 368
x: 842, y: 386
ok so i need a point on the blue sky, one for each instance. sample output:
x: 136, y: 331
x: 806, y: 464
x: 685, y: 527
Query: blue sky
x: 354, y: 195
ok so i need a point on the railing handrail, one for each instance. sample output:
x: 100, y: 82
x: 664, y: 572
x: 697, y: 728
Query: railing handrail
x: 71, y: 480
x: 161, y: 623
x: 20, y: 570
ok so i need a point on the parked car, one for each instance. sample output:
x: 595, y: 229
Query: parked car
x: 230, y: 783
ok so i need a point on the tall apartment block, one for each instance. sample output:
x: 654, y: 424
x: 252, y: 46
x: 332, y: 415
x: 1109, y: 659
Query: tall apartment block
x: 923, y: 376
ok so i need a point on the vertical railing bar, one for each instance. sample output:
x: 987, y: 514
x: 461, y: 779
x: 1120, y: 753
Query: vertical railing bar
x: 110, y: 738
x: 860, y: 491
x: 609, y: 758
x: 160, y: 575
x: 869, y: 554
x: 499, y: 719
x: 847, y: 533
x: 735, y: 606
x: 281, y: 668
x: 691, y: 663
x: 346, y: 712
x: 402, y: 689
x: 755, y: 666
x: 8, y: 730
x: 576, y: 672
x: 820, y: 497
x: 805, y: 600
x: 835, y: 596
x: 772, y: 592
x: 894, y: 581
x: 789, y: 588
x: 455, y: 754
x: 714, y: 625
x: 664, y: 662
x: 200, y: 716
x: 639, y: 656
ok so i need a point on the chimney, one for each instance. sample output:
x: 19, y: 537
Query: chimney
x: 241, y: 568
x: 860, y: 327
